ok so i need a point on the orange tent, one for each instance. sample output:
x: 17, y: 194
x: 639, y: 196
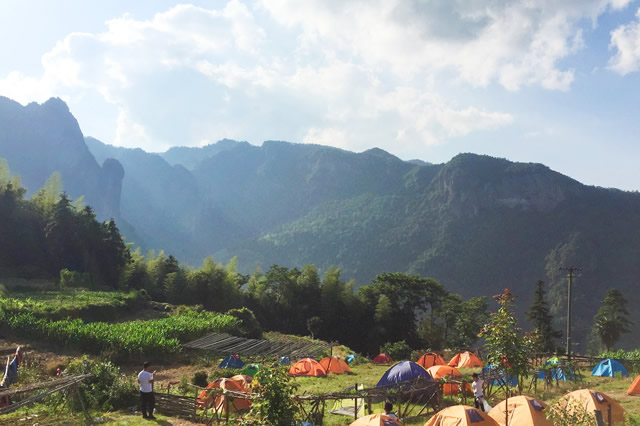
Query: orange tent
x: 523, y: 410
x: 441, y: 371
x: 383, y: 359
x: 335, y: 365
x: 634, y: 389
x: 307, y: 367
x: 220, y: 402
x: 430, y: 359
x: 591, y: 400
x: 465, y: 359
x: 460, y: 415
x: 376, y: 420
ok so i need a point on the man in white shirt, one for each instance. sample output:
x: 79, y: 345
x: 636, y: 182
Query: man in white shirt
x: 477, y: 391
x: 147, y: 399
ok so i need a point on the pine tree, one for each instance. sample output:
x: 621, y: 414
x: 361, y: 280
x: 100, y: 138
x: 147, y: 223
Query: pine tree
x: 538, y: 315
x: 611, y: 320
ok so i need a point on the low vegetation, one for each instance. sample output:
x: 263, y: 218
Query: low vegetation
x: 157, y: 339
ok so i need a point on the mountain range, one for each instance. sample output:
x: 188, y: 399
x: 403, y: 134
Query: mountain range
x: 477, y: 224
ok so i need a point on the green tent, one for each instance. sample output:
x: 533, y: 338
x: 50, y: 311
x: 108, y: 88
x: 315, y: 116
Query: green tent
x: 553, y: 361
x: 251, y: 369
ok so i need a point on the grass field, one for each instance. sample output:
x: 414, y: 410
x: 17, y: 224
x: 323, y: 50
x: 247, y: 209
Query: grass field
x: 369, y: 374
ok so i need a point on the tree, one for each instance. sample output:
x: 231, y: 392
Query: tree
x: 410, y: 297
x: 507, y: 346
x: 611, y: 320
x: 313, y: 325
x: 538, y: 315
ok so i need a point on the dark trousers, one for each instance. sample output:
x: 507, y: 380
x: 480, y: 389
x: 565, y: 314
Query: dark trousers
x: 478, y: 404
x: 148, y: 402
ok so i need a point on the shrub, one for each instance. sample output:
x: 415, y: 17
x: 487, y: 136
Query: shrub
x: 106, y: 388
x: 248, y: 326
x: 397, y: 350
x: 200, y: 379
x: 184, y: 385
x: 74, y: 279
x: 275, y: 404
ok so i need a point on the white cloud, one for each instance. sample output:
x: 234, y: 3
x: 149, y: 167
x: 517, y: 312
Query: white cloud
x: 516, y: 43
x: 354, y: 74
x: 626, y: 39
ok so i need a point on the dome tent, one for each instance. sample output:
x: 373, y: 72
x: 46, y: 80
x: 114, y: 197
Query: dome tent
x: 430, y: 359
x: 590, y: 400
x: 376, y: 420
x: 608, y: 368
x: 335, y: 365
x: 441, y: 371
x: 512, y: 381
x: 307, y: 367
x: 461, y: 415
x: 220, y: 402
x: 232, y: 361
x: 523, y: 410
x: 251, y: 369
x: 465, y: 360
x: 402, y: 372
x: 383, y: 359
x: 634, y: 389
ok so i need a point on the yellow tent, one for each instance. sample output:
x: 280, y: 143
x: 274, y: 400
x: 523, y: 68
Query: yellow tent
x: 523, y: 410
x: 376, y: 420
x: 590, y: 400
x: 460, y: 415
x: 465, y: 360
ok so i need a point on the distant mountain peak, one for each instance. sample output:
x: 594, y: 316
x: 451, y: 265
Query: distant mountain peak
x: 378, y: 152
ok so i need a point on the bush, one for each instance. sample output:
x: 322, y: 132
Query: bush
x: 184, y: 385
x: 248, y: 326
x: 74, y: 279
x: 200, y: 379
x: 106, y: 389
x: 397, y: 350
x: 275, y: 404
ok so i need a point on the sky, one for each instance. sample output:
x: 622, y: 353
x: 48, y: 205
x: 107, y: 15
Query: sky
x: 549, y: 81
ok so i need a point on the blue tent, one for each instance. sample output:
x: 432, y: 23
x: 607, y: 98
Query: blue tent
x: 513, y: 381
x: 232, y: 361
x: 557, y: 374
x: 285, y: 360
x: 402, y: 372
x: 350, y: 358
x: 608, y: 368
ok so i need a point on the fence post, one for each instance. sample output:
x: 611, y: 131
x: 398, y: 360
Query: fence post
x: 355, y: 407
x: 195, y: 405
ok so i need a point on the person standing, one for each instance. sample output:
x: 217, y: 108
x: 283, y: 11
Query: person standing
x: 147, y: 399
x: 478, y: 394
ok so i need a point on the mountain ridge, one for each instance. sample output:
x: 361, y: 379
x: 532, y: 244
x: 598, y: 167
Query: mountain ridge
x: 476, y: 223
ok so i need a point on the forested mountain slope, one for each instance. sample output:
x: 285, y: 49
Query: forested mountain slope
x: 477, y: 224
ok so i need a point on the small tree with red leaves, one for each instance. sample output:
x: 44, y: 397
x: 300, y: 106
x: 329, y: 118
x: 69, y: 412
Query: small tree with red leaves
x: 507, y: 346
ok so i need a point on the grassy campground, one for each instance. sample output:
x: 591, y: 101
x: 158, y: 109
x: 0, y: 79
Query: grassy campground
x: 59, y: 329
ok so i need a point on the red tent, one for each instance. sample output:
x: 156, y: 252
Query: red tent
x: 383, y: 359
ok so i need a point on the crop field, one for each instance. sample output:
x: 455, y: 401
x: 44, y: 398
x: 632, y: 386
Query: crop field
x: 125, y: 340
x: 75, y: 303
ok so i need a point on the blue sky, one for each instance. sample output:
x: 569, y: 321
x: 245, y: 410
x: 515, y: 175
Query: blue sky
x: 545, y: 81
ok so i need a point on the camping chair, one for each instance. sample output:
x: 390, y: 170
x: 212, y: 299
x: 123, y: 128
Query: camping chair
x: 339, y: 406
